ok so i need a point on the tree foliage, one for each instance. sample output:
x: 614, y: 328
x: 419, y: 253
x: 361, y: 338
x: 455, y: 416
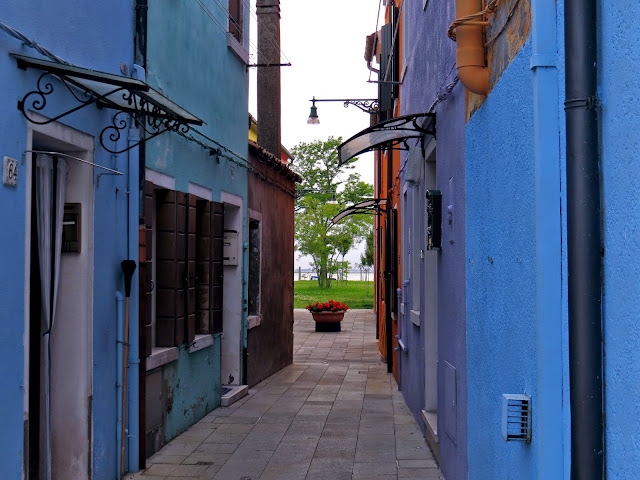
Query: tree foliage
x: 325, y: 191
x: 366, y: 259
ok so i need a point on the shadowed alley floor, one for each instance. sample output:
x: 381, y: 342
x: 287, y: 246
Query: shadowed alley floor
x: 335, y: 414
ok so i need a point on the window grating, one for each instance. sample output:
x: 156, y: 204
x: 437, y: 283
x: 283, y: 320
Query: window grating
x: 516, y: 417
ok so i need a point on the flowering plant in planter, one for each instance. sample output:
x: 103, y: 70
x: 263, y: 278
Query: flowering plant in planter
x: 330, y: 306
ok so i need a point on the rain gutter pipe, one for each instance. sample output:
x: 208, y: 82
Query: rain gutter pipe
x: 136, y: 456
x: 470, y: 56
x: 546, y: 109
x: 119, y: 354
x: 133, y: 358
x: 584, y: 241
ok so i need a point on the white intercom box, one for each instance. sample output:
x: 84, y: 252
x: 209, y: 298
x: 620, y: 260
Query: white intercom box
x: 230, y: 248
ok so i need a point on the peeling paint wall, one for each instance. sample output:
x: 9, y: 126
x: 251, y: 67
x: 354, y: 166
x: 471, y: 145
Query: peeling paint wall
x: 190, y: 61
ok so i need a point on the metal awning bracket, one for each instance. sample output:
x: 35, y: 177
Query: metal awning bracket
x: 148, y: 109
x: 389, y: 134
x: 371, y: 205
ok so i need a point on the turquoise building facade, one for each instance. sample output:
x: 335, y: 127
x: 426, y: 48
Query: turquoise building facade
x: 192, y: 57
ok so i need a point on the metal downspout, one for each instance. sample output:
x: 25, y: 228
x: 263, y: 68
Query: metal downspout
x: 548, y: 239
x: 119, y: 354
x: 133, y: 386
x: 137, y: 454
x: 584, y: 241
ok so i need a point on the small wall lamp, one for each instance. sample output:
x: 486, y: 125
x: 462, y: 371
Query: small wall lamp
x: 368, y: 105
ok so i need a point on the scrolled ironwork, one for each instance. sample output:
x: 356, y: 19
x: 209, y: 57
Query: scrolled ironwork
x: 368, y: 106
x: 36, y: 99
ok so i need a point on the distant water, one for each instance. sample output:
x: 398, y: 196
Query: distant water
x: 354, y: 276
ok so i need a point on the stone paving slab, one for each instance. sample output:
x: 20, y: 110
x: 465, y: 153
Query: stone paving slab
x: 335, y: 414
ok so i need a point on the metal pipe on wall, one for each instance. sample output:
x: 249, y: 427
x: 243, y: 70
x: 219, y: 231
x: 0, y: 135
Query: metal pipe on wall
x: 584, y: 241
x: 119, y: 355
x: 138, y: 446
x: 470, y: 56
x: 549, y: 311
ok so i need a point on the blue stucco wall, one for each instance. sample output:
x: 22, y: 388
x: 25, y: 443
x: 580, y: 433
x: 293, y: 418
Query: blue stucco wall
x: 501, y: 271
x: 189, y: 61
x: 97, y: 36
x: 195, y: 376
x: 430, y: 67
x: 618, y: 82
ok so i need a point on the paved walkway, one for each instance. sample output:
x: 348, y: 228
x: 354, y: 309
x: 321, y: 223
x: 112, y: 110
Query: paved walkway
x: 335, y: 414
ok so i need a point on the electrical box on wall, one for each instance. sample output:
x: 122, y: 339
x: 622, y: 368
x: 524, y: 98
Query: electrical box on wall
x: 71, y: 228
x: 230, y: 248
x: 434, y: 219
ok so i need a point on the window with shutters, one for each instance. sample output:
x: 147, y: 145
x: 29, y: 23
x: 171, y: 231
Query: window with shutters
x: 389, y: 66
x: 236, y: 20
x: 182, y: 293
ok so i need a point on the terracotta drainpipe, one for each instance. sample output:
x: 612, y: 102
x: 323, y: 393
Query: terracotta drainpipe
x: 470, y: 50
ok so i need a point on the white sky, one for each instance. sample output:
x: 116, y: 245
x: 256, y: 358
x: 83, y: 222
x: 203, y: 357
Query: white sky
x: 325, y: 42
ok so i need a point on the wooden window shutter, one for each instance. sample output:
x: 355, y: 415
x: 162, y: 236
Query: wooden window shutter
x: 384, y: 89
x: 203, y: 266
x: 217, y: 270
x: 190, y: 278
x: 170, y: 268
x: 146, y: 271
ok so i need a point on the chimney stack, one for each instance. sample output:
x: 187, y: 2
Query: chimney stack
x: 268, y: 12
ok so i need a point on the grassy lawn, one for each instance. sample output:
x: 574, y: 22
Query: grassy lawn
x: 352, y: 292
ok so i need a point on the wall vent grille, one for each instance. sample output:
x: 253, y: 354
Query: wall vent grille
x: 516, y: 417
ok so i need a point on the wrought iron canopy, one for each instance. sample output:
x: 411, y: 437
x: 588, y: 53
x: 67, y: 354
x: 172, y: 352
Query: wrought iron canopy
x: 392, y: 132
x: 366, y: 206
x: 149, y: 109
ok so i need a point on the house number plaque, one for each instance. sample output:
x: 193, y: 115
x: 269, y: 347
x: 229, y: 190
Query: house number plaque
x: 10, y: 172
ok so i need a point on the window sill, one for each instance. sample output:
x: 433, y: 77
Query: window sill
x: 200, y: 342
x: 415, y: 317
x: 254, y: 321
x: 161, y: 356
x: 238, y: 48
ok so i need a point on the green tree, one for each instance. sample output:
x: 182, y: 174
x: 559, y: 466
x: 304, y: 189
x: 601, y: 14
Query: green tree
x: 326, y: 190
x: 366, y: 258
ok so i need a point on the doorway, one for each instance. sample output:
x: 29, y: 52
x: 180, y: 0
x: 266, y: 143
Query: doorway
x: 59, y: 320
x: 232, y: 304
x: 430, y: 275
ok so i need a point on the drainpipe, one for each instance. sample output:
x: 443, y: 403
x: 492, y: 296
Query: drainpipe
x: 548, y: 239
x: 133, y: 360
x: 136, y: 452
x: 119, y: 353
x: 584, y: 241
x: 470, y: 56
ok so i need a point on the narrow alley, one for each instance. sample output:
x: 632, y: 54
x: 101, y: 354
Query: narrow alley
x: 334, y: 414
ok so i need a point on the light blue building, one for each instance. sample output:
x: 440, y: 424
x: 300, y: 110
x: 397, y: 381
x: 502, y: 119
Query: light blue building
x: 194, y: 304
x: 70, y: 207
x: 549, y: 224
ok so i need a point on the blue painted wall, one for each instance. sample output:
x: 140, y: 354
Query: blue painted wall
x: 430, y: 67
x: 196, y: 387
x: 98, y: 36
x: 618, y: 81
x: 501, y: 271
x: 189, y: 61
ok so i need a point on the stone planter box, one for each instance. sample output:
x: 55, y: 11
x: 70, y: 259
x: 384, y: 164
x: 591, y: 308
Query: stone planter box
x: 328, y: 321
